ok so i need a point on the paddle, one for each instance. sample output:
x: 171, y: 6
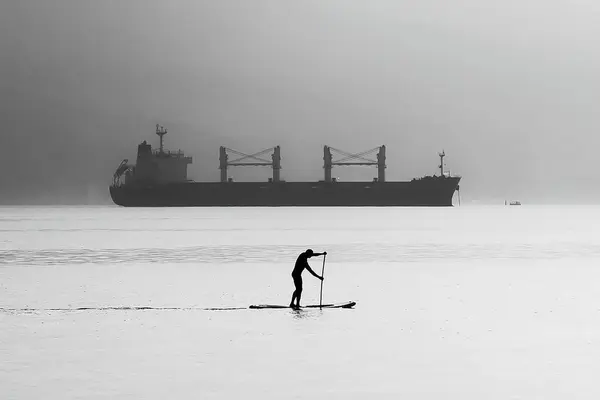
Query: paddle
x: 322, y: 276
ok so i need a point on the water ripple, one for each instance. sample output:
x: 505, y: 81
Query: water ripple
x: 124, y: 308
x: 346, y: 253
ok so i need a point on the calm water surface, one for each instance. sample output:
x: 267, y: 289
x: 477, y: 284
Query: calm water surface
x: 461, y: 303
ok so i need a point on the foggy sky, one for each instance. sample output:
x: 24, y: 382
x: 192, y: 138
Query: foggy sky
x: 509, y: 89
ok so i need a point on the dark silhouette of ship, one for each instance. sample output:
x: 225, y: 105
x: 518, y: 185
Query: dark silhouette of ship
x: 159, y: 179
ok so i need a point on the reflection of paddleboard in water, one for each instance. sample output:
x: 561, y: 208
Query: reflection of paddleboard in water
x: 348, y: 304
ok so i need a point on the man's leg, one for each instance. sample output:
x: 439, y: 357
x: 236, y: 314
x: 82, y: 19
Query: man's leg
x: 295, y: 294
x: 298, y: 282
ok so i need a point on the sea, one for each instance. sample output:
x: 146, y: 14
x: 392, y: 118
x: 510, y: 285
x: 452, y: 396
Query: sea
x: 471, y: 302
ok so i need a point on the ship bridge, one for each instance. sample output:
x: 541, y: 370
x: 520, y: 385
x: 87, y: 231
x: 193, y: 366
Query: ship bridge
x: 158, y: 166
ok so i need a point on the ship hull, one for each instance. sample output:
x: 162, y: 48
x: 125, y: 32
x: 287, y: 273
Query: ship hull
x: 424, y: 192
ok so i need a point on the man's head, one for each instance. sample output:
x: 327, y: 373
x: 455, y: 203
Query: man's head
x: 309, y: 253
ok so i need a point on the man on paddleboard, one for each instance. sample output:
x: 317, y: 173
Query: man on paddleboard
x: 301, y: 264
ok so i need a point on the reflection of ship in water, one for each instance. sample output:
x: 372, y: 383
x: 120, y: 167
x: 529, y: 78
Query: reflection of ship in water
x: 159, y: 179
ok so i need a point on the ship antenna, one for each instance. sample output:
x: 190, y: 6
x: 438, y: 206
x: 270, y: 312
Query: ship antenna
x: 442, y: 155
x: 161, y: 131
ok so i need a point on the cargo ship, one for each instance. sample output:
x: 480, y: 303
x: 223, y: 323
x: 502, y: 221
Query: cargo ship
x: 159, y: 179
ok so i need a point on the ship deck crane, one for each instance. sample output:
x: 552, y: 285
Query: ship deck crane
x: 359, y: 159
x: 254, y: 161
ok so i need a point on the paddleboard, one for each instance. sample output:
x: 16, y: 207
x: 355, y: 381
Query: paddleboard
x: 348, y: 304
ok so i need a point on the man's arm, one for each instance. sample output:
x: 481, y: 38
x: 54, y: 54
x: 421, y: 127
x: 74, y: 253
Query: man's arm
x: 309, y: 269
x: 320, y: 254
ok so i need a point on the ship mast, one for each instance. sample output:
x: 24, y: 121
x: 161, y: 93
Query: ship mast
x: 161, y: 131
x: 442, y: 155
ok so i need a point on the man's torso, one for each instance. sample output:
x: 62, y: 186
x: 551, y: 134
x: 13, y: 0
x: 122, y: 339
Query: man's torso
x: 301, y: 263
